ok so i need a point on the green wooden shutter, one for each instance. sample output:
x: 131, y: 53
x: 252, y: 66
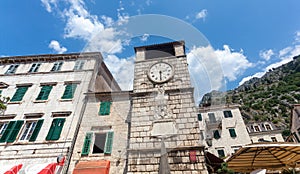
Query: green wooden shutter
x: 199, y: 117
x: 108, y: 142
x: 232, y: 132
x: 69, y: 91
x: 44, y: 93
x: 18, y: 96
x: 55, y: 129
x: 104, y: 108
x: 87, y: 144
x: 15, y: 131
x: 36, y: 130
x: 7, y: 131
x: 217, y: 134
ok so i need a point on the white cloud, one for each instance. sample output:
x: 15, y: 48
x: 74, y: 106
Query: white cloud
x: 57, y: 47
x: 148, y: 2
x: 202, y: 14
x: 108, y: 21
x: 258, y: 75
x: 123, y: 72
x: 266, y: 54
x: 48, y: 4
x: 211, y: 67
x: 144, y: 37
x: 233, y: 63
x: 285, y: 55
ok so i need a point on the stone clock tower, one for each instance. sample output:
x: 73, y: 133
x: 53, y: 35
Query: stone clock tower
x: 164, y: 131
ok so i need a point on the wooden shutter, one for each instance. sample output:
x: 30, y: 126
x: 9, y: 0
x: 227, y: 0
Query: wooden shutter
x: 109, y: 142
x: 55, y: 129
x: 104, y: 108
x: 232, y: 132
x: 87, y: 144
x: 7, y: 131
x: 69, y: 91
x: 36, y: 130
x: 15, y: 131
x: 18, y: 96
x: 44, y: 93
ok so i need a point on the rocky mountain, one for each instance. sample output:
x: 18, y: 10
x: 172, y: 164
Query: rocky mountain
x: 267, y: 98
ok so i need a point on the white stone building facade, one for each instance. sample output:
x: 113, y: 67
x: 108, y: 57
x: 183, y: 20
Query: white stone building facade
x: 46, y: 103
x: 264, y: 132
x: 222, y: 129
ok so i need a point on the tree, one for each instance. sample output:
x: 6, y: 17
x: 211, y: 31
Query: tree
x: 3, y: 101
x: 224, y: 169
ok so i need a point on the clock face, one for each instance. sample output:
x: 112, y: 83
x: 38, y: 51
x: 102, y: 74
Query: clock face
x: 160, y: 72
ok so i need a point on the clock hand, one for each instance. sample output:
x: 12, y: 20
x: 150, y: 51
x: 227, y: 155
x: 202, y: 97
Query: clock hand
x: 160, y: 75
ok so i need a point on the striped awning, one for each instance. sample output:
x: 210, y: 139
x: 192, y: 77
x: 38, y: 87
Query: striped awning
x: 10, y: 169
x: 270, y: 156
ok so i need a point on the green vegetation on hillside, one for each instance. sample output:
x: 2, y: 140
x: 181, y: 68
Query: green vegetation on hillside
x: 268, y: 98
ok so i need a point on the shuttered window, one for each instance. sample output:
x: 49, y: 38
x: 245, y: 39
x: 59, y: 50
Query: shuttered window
x: 79, y: 64
x: 199, y: 117
x: 227, y: 114
x: 109, y: 142
x: 69, y: 91
x: 55, y: 129
x: 87, y: 144
x: 216, y: 134
x: 36, y: 130
x: 221, y: 153
x: 232, y: 132
x: 12, y: 69
x: 15, y: 131
x: 103, y: 143
x: 3, y: 127
x: 34, y: 67
x: 19, y: 94
x: 11, y: 131
x: 57, y: 66
x: 44, y: 93
x: 104, y: 108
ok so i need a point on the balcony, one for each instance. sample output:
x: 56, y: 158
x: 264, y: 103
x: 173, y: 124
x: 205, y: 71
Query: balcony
x: 213, y: 124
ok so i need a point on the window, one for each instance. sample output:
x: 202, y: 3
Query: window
x: 199, y: 117
x: 212, y: 118
x: 268, y: 127
x: 256, y: 128
x: 31, y: 130
x: 44, y: 93
x: 221, y: 153
x: 19, y: 94
x: 34, y: 67
x: 216, y: 134
x: 11, y: 131
x: 227, y: 114
x: 12, y: 69
x: 102, y: 143
x: 104, y: 108
x: 55, y: 129
x: 79, y: 64
x: 69, y: 91
x: 232, y: 132
x: 2, y: 128
x: 273, y: 139
x: 57, y: 66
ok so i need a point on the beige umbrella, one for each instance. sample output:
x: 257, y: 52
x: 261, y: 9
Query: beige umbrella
x: 270, y: 156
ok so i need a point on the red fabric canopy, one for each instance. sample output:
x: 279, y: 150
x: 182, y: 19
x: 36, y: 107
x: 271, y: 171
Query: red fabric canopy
x: 50, y: 169
x: 92, y: 167
x: 14, y: 170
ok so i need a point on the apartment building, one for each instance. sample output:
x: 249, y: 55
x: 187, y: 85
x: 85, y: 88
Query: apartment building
x: 264, y: 132
x: 40, y: 124
x: 222, y: 129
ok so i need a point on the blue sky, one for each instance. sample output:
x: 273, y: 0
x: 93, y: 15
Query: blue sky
x: 245, y: 38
